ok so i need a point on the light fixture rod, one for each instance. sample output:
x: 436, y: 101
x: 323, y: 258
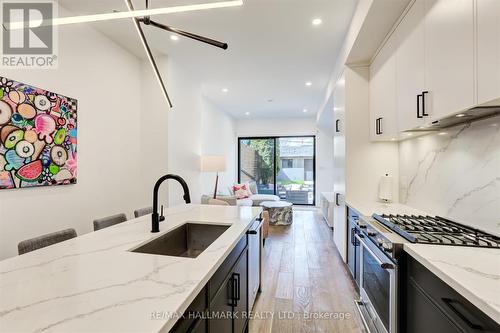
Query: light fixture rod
x: 129, y: 14
x: 149, y: 53
x: 206, y: 40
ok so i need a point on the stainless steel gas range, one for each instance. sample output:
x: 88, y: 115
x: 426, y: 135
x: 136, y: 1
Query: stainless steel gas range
x: 380, y: 240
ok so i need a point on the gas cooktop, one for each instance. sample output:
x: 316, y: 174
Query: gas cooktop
x: 437, y: 230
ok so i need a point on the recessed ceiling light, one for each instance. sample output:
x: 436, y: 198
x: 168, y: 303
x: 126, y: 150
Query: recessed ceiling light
x: 393, y: 139
x: 247, y: 113
x: 174, y: 37
x: 460, y: 115
x: 304, y: 110
x: 308, y: 83
x: 409, y: 134
x: 225, y: 90
x: 317, y: 21
x: 442, y: 133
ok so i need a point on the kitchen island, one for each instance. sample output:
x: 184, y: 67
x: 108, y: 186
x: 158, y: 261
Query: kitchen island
x: 95, y: 283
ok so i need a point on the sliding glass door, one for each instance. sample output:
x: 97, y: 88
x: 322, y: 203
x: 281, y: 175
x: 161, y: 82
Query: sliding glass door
x: 257, y: 163
x: 284, y: 166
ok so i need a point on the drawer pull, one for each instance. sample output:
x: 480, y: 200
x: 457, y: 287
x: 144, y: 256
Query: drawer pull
x: 449, y: 302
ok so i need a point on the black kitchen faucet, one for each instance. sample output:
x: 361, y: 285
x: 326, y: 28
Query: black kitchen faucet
x: 155, y: 217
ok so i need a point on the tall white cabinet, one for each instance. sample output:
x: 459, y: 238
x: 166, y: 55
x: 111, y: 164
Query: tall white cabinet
x: 449, y: 56
x: 410, y: 67
x: 339, y: 172
x: 383, y: 93
x: 488, y: 50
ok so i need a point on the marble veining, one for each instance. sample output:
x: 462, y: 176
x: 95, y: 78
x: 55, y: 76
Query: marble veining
x: 94, y: 282
x: 472, y: 272
x: 455, y: 174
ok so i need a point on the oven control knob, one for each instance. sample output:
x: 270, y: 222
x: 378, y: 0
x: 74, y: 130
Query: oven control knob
x: 380, y: 241
x: 361, y: 225
x: 387, y: 247
x: 371, y: 233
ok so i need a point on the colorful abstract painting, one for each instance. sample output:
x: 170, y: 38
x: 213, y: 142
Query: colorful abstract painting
x: 37, y: 136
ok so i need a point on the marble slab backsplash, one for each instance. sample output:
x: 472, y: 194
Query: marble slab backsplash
x: 455, y: 173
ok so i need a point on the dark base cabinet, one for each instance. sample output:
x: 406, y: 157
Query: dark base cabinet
x: 430, y: 305
x: 353, y: 246
x: 222, y: 305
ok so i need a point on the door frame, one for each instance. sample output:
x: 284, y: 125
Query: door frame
x: 275, y: 137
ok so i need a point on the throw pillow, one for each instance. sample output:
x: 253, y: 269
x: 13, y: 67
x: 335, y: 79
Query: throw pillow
x: 241, y: 191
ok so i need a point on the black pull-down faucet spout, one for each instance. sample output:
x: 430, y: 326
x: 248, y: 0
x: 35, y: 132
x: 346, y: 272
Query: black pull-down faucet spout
x: 155, y: 217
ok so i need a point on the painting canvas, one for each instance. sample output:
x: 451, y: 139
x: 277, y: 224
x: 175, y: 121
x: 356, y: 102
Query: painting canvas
x: 37, y: 136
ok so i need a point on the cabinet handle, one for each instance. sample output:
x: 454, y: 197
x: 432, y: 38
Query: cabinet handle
x: 423, y: 104
x: 418, y: 106
x: 237, y: 293
x: 337, y: 199
x: 353, y: 239
x: 337, y: 128
x: 378, y: 126
x: 255, y: 230
x: 449, y: 302
x: 232, y: 297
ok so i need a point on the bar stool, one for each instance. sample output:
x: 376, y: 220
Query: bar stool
x: 143, y: 211
x: 109, y: 221
x: 39, y: 242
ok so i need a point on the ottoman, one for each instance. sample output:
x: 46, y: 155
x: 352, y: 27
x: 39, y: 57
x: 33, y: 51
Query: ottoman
x: 280, y: 212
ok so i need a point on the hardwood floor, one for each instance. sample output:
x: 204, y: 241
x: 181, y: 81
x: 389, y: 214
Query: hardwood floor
x: 304, y: 274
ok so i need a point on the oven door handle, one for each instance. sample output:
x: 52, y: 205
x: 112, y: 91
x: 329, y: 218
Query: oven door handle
x: 384, y: 265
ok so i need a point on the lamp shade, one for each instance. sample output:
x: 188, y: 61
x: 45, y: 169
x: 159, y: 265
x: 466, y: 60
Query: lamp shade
x: 213, y: 163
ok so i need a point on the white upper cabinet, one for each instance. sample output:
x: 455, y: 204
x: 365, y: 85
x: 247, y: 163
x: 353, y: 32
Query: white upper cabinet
x: 447, y: 61
x: 449, y: 56
x: 383, y: 110
x: 488, y: 50
x: 410, y: 67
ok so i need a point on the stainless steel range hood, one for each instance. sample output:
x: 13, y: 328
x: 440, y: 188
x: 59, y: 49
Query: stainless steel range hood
x: 491, y: 109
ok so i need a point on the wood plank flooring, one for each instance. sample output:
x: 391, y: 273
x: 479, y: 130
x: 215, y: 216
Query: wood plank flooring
x: 304, y: 274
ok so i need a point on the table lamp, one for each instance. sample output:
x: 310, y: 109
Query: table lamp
x: 213, y: 163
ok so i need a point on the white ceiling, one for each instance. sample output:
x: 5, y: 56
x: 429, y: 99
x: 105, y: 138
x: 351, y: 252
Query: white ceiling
x: 273, y: 49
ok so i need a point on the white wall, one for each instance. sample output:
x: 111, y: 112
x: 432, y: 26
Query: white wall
x: 218, y: 134
x: 184, y: 131
x: 195, y: 127
x: 105, y: 81
x: 154, y: 134
x: 275, y: 127
x: 296, y: 126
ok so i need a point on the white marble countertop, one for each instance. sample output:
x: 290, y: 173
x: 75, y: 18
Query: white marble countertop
x: 472, y: 272
x: 368, y: 208
x: 94, y: 283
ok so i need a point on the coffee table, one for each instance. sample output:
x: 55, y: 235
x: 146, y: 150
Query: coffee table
x: 280, y: 212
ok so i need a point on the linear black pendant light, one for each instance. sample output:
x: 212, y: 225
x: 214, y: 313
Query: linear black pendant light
x: 146, y: 20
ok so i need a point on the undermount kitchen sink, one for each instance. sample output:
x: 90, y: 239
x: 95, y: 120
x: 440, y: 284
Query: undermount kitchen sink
x: 188, y: 240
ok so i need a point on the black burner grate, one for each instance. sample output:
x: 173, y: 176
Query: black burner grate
x: 437, y: 230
